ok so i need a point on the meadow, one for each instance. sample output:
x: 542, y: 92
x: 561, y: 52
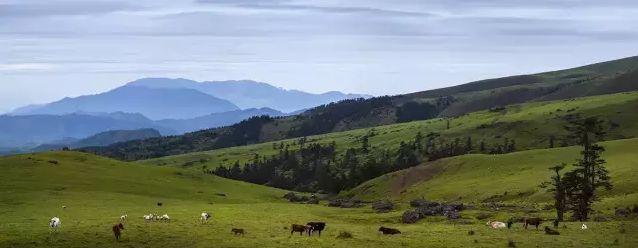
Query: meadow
x: 96, y: 191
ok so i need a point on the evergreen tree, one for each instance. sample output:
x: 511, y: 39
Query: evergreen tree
x: 557, y: 187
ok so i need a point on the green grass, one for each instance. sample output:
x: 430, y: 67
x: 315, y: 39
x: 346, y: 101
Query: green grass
x: 512, y: 177
x: 529, y: 124
x: 96, y: 191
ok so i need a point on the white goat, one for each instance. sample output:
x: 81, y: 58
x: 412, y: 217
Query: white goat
x: 583, y: 227
x: 496, y: 224
x: 205, y: 217
x: 123, y: 218
x: 55, y: 223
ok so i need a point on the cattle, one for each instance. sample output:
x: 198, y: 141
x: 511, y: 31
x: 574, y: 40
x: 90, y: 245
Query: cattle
x: 55, y: 223
x: 298, y: 228
x: 159, y: 204
x: 204, y: 217
x: 238, y: 231
x: 117, y: 230
x: 534, y: 221
x: 389, y: 231
x: 316, y: 227
x: 583, y: 227
x: 123, y: 218
x: 496, y: 224
x: 149, y: 217
x: 549, y: 231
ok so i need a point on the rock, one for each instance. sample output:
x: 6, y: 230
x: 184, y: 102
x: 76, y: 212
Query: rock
x: 383, y: 206
x: 410, y: 216
x: 292, y: 197
x: 622, y: 212
x: 345, y: 203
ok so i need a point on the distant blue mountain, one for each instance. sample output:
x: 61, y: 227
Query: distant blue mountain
x: 215, y: 120
x: 154, y: 103
x: 101, y: 139
x: 251, y: 94
x: 33, y: 130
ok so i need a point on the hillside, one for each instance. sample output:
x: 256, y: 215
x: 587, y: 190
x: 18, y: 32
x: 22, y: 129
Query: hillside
x: 95, y: 191
x: 251, y: 94
x: 512, y: 177
x: 530, y: 125
x: 215, y: 119
x: 102, y: 139
x: 150, y: 102
x: 603, y: 78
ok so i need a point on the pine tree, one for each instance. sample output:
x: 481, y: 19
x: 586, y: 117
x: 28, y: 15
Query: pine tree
x: 557, y: 187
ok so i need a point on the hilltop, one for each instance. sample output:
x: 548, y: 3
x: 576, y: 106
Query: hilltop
x: 596, y: 79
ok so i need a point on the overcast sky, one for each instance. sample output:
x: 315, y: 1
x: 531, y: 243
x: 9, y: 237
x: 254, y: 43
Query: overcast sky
x: 50, y: 49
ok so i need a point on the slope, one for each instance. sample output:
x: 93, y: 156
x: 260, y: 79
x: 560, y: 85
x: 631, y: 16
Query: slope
x: 603, y: 78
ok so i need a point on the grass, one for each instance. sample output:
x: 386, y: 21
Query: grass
x: 96, y: 191
x: 512, y: 177
x: 530, y: 125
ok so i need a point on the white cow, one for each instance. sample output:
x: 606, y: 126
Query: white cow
x: 583, y: 227
x: 205, y: 217
x: 55, y: 223
x: 123, y: 218
x: 496, y: 224
x: 148, y: 217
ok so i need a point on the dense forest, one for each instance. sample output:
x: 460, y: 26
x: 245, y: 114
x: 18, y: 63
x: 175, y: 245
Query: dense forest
x: 314, y: 167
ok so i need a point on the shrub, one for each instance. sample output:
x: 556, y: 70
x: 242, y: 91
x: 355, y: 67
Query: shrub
x: 344, y: 235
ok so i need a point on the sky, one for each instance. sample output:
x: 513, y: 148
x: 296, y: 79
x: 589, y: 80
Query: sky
x: 50, y: 49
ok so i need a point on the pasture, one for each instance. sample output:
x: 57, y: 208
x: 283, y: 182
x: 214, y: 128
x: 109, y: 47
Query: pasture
x: 97, y: 191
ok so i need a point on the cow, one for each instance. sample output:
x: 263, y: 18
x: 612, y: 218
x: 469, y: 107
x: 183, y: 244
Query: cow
x: 549, y: 231
x: 204, y: 217
x: 55, y: 223
x: 316, y: 227
x: 238, y: 231
x: 534, y: 221
x: 165, y: 218
x: 123, y: 218
x: 389, y: 231
x: 496, y: 224
x: 117, y: 230
x: 298, y: 228
x: 159, y: 204
x: 583, y: 227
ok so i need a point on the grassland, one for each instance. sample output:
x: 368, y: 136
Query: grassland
x: 530, y: 125
x: 96, y: 191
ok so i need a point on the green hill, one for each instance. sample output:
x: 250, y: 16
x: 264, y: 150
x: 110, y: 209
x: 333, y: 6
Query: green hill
x: 96, y: 191
x: 530, y: 125
x: 512, y: 177
x: 597, y: 79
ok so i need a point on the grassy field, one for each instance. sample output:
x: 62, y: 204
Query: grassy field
x: 96, y: 191
x: 530, y: 125
x: 512, y: 178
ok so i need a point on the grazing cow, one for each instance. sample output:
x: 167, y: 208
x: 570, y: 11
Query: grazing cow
x: 389, y: 231
x: 549, y: 231
x: 204, y: 218
x: 510, y: 222
x: 298, y: 228
x: 159, y: 204
x: 117, y: 230
x: 316, y: 227
x: 583, y: 227
x: 238, y: 231
x: 534, y: 221
x: 496, y: 224
x: 55, y: 223
x: 123, y: 218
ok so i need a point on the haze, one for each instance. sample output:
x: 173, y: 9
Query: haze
x: 53, y: 49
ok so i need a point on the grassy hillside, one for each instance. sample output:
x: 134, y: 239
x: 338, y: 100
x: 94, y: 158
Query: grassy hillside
x: 530, y: 125
x: 512, y: 177
x: 597, y: 79
x: 96, y: 191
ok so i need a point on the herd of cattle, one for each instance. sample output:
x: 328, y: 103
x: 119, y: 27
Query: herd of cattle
x: 310, y: 228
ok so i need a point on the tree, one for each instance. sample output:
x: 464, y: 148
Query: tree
x: 551, y: 141
x: 557, y: 187
x: 468, y: 144
x: 589, y: 173
x: 365, y: 146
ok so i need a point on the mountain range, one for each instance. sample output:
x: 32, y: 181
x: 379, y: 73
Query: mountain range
x: 596, y: 79
x: 101, y: 139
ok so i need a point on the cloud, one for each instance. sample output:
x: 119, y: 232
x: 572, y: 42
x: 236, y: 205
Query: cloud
x: 30, y: 9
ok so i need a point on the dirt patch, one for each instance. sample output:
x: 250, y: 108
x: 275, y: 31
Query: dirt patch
x: 414, y: 175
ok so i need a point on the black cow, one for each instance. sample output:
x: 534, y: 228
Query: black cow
x: 390, y: 231
x: 316, y: 227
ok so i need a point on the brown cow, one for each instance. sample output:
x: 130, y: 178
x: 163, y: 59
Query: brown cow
x: 534, y: 221
x: 298, y: 228
x: 117, y: 230
x: 390, y: 231
x: 238, y: 231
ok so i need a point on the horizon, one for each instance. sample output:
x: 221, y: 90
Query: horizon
x: 61, y: 49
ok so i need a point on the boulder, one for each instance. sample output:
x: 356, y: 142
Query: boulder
x: 383, y: 206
